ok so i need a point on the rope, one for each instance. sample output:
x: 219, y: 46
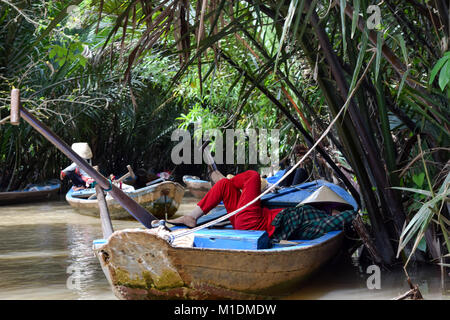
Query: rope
x: 172, y: 237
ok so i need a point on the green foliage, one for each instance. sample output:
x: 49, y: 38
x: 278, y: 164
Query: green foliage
x: 77, y: 91
x: 443, y: 67
x: 421, y: 220
x: 419, y: 179
x: 70, y: 54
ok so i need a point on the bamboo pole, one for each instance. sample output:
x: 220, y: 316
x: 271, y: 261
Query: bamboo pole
x: 107, y: 228
x: 105, y: 218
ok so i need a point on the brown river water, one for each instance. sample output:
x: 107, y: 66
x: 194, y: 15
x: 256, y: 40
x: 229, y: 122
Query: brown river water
x: 41, y: 244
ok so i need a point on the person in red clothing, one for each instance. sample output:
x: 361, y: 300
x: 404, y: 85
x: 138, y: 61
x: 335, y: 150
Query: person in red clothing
x: 301, y: 222
x: 79, y: 178
x: 235, y: 193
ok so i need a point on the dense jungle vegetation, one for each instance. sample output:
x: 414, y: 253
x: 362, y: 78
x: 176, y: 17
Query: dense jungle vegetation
x: 122, y: 75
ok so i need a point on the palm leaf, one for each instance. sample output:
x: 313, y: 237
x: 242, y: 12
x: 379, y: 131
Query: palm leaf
x: 362, y: 52
x: 356, y: 5
x: 308, y: 16
x: 419, y: 223
x: 286, y: 26
x: 402, y: 83
x: 299, y: 14
x: 343, y: 4
x: 438, y: 66
x: 420, y: 191
x: 379, y: 54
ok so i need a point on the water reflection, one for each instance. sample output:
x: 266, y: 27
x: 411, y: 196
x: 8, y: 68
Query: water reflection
x: 346, y: 279
x: 45, y: 245
x: 46, y: 253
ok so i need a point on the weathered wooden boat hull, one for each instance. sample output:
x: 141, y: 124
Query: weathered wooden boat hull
x: 198, y: 188
x: 39, y: 193
x: 218, y: 263
x: 140, y: 265
x: 162, y: 200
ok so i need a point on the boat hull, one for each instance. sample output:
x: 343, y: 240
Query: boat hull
x: 162, y: 200
x: 198, y: 188
x: 140, y: 265
x: 41, y: 193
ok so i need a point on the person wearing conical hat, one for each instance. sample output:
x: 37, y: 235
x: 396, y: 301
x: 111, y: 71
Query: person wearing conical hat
x: 323, y: 211
x: 80, y: 179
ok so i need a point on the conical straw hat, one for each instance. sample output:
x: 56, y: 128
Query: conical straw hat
x: 82, y: 149
x: 325, y: 195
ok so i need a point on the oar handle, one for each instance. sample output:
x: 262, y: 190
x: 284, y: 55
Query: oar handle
x: 208, y: 154
x: 15, y: 107
x: 131, y: 172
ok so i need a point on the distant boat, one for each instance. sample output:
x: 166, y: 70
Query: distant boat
x: 31, y: 193
x: 197, y: 187
x: 160, y: 199
x: 218, y: 263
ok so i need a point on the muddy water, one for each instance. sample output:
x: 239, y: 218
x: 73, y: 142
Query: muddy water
x: 45, y: 253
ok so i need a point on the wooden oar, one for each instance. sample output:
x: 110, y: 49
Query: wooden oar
x: 130, y: 174
x: 208, y: 155
x: 136, y: 210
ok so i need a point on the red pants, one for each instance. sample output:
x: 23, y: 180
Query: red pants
x: 235, y: 193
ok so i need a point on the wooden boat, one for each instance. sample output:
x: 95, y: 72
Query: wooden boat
x: 31, y: 193
x: 218, y: 263
x: 161, y: 199
x: 197, y: 187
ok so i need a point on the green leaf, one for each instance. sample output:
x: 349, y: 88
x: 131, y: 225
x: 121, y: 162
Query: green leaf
x: 402, y: 83
x: 419, y: 222
x: 443, y: 76
x: 286, y: 26
x: 445, y: 185
x: 401, y: 40
x: 343, y: 4
x: 438, y: 66
x: 422, y: 245
x: 362, y: 52
x: 299, y: 14
x: 308, y: 15
x: 379, y: 54
x: 355, y: 17
x: 418, y: 179
x: 424, y: 192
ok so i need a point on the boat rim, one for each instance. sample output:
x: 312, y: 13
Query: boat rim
x: 301, y: 246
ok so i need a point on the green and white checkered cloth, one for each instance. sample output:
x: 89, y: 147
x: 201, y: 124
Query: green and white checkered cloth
x: 307, y: 222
